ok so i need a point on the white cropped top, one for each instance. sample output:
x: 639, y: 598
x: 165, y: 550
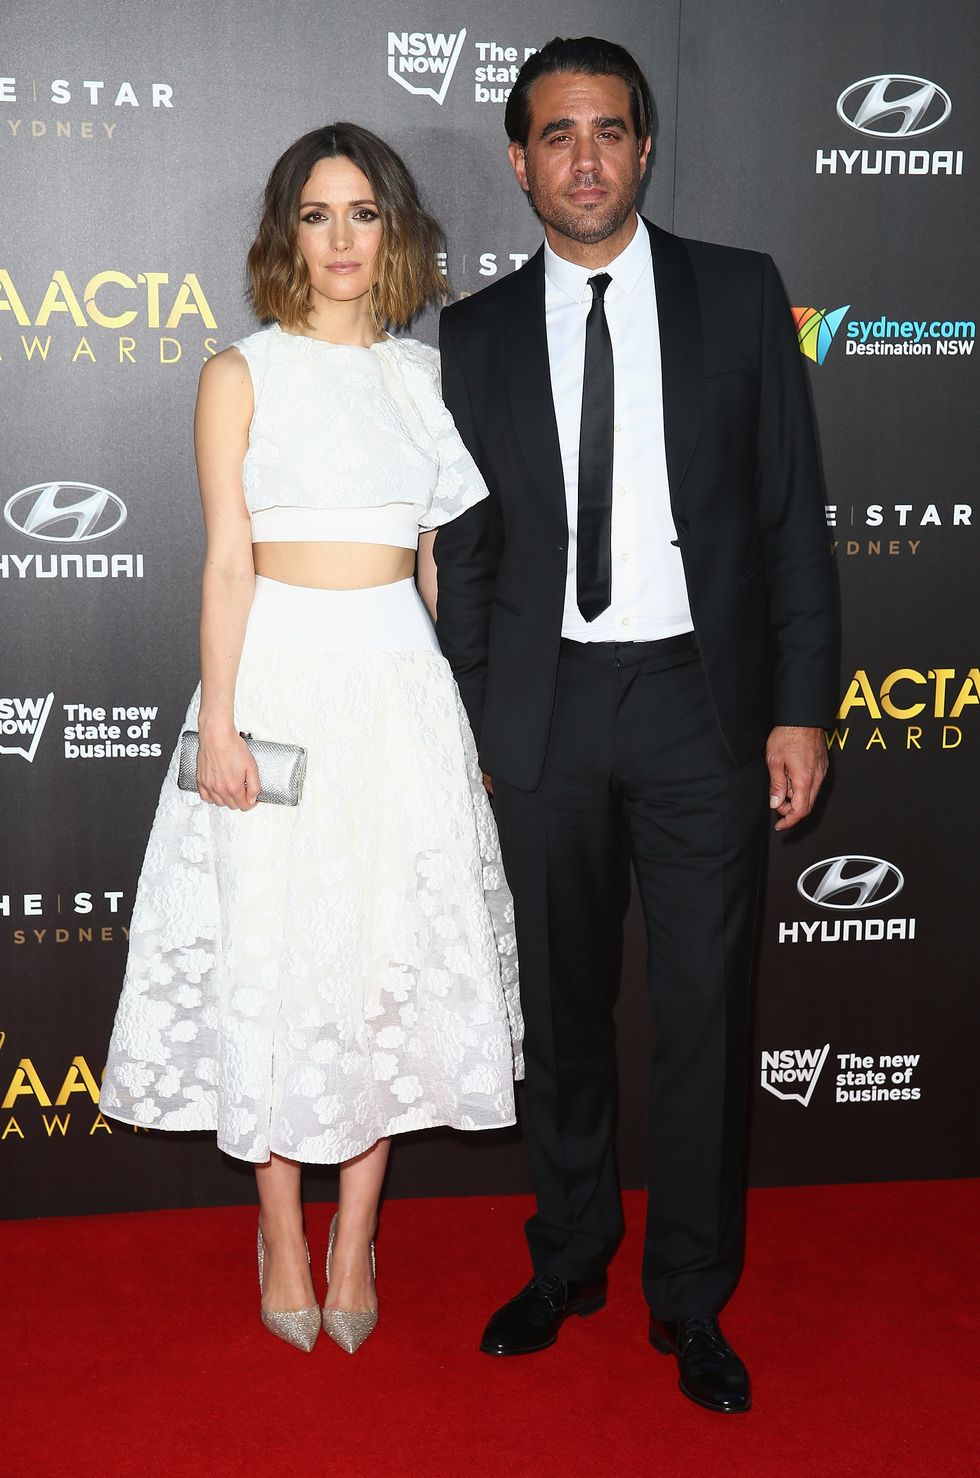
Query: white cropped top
x: 394, y: 523
x: 351, y: 444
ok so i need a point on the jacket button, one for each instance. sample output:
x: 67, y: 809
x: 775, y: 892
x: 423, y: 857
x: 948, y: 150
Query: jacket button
x: 560, y: 548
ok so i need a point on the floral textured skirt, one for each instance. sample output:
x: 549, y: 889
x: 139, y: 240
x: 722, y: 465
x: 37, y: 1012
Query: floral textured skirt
x: 306, y: 980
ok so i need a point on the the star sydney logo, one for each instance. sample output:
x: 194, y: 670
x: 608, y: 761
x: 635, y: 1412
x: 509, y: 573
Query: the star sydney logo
x: 815, y: 329
x: 423, y: 62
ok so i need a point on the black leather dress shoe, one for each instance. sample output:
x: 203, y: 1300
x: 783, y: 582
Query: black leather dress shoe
x: 531, y: 1321
x: 710, y: 1371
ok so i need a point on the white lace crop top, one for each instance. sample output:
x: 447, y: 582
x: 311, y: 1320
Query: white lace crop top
x: 352, y: 444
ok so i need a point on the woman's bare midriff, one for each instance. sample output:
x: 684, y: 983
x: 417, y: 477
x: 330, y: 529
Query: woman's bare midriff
x: 333, y: 565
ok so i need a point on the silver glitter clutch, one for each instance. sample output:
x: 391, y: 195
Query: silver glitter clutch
x: 282, y: 768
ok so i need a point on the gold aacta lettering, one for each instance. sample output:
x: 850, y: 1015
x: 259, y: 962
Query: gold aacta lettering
x: 941, y: 676
x: 859, y: 695
x: 969, y: 693
x: 25, y: 1081
x: 108, y: 320
x: 190, y: 288
x: 35, y: 346
x: 901, y: 674
x: 10, y: 299
x: 78, y: 1079
x: 60, y: 297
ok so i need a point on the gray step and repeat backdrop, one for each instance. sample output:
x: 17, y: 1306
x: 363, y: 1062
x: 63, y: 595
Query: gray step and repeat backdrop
x: 134, y: 143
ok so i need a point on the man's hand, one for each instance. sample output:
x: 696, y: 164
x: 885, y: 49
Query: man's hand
x: 797, y: 762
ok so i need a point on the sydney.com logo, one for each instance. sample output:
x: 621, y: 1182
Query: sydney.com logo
x: 816, y: 329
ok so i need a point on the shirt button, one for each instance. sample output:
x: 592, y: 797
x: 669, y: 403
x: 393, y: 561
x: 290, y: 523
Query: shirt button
x: 621, y: 492
x: 624, y: 558
x: 625, y: 621
x: 617, y: 428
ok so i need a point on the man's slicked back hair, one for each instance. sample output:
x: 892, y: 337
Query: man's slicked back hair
x: 587, y: 54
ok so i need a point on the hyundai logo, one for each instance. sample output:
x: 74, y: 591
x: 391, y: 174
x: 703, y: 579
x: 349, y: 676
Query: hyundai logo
x: 65, y: 512
x: 850, y: 882
x: 893, y: 107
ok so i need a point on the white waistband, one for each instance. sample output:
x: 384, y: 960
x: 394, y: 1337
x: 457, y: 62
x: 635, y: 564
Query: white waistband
x: 300, y: 618
x: 392, y: 523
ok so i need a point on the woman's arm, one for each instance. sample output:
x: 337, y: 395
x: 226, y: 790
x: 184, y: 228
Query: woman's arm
x: 226, y: 772
x: 425, y: 572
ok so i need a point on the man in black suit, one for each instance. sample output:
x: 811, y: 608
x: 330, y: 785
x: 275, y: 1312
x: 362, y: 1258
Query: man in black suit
x: 641, y: 622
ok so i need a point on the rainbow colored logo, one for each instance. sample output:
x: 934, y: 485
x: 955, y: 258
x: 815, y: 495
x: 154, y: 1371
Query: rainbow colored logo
x: 815, y: 329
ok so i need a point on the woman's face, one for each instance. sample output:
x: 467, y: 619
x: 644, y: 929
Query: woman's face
x: 339, y: 231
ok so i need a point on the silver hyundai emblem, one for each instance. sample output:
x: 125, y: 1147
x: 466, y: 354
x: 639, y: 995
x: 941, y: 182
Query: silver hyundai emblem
x: 893, y: 107
x: 65, y: 512
x: 850, y: 882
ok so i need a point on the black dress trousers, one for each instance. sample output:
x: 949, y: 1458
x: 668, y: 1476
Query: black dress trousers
x: 636, y: 769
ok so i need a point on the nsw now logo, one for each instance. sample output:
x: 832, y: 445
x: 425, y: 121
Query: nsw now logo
x: 792, y: 1073
x: 423, y: 62
x: 22, y: 722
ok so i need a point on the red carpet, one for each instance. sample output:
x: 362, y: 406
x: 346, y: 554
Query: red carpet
x: 133, y: 1348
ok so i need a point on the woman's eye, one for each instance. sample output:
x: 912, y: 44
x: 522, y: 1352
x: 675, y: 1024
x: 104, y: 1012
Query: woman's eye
x: 313, y: 217
x: 365, y: 214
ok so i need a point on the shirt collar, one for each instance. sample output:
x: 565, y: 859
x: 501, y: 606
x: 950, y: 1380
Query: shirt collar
x: 626, y: 270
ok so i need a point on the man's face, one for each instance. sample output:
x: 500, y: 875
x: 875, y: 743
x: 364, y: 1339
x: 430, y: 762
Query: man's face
x: 583, y: 165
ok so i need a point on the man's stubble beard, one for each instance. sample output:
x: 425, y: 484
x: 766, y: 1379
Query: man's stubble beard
x: 601, y: 222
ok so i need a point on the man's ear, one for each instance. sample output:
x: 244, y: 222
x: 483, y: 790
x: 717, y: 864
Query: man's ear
x: 645, y: 154
x: 518, y: 159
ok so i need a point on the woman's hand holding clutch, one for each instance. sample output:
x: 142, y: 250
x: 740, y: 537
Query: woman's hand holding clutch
x: 227, y: 774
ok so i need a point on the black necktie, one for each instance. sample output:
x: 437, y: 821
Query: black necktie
x: 593, y: 566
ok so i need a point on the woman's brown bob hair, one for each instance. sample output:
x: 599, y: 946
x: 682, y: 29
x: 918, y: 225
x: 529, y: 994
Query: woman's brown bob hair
x: 407, y: 276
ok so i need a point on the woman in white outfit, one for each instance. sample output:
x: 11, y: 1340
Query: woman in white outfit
x: 309, y: 980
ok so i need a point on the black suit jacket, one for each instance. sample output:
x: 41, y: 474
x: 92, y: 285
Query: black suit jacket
x: 745, y: 492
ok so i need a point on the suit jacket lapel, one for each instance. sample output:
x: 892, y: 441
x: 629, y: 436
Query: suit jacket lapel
x: 681, y: 351
x: 529, y: 377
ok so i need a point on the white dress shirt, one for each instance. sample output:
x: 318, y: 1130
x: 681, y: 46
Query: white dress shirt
x: 649, y: 592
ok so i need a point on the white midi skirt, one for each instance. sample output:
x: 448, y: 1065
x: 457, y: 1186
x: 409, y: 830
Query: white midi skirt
x: 306, y: 980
